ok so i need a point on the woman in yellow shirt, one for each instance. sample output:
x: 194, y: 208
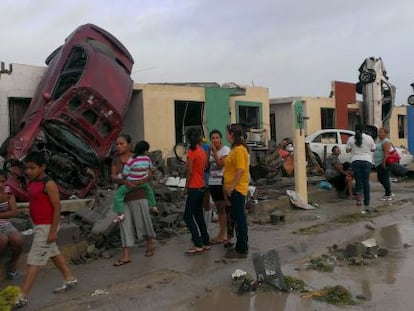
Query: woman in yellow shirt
x: 236, y: 183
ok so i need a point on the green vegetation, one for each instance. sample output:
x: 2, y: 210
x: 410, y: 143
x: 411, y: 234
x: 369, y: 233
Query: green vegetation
x: 351, y: 218
x: 8, y: 297
x: 336, y: 295
x: 323, y: 263
x: 293, y: 284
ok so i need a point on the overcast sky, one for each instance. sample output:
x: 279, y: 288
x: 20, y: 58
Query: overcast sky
x: 292, y: 47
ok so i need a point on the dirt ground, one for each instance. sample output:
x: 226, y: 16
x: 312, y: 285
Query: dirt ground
x: 171, y: 281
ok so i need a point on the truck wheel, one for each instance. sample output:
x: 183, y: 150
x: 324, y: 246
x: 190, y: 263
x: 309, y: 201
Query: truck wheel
x: 367, y: 76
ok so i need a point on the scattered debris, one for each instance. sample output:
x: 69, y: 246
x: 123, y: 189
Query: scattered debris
x: 294, y: 285
x: 99, y: 292
x: 268, y: 269
x: 238, y: 274
x: 323, y: 263
x: 336, y: 295
x: 297, y: 200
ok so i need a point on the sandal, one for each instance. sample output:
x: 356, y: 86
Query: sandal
x: 149, y: 252
x: 206, y: 247
x: 121, y: 262
x: 194, y: 251
x: 217, y: 241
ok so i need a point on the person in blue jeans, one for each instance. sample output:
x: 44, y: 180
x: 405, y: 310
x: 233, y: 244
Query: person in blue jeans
x: 361, y: 145
x: 195, y: 188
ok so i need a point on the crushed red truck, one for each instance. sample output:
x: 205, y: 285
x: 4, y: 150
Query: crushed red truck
x: 76, y: 112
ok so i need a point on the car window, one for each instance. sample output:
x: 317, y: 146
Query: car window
x: 345, y: 137
x: 71, y: 73
x: 328, y: 138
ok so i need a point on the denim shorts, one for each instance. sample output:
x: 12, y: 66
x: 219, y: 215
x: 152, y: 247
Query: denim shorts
x: 7, y: 228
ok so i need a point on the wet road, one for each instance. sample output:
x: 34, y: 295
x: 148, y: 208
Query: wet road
x: 386, y: 283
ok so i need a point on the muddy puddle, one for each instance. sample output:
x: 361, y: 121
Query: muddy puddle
x: 384, y: 284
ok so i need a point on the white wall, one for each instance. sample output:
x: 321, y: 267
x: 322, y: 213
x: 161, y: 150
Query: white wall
x: 21, y: 82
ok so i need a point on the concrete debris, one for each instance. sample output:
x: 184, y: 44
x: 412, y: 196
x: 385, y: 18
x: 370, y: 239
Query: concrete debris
x: 99, y: 292
x: 238, y: 274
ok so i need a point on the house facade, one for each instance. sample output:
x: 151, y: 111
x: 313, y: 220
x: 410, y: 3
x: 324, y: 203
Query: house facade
x: 159, y: 113
x: 17, y: 85
x: 340, y: 110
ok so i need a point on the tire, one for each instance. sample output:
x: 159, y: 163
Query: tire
x: 367, y: 76
x: 410, y: 100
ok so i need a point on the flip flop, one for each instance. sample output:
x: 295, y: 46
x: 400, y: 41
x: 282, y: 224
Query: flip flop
x: 206, y: 247
x: 214, y: 241
x: 194, y: 251
x: 121, y: 262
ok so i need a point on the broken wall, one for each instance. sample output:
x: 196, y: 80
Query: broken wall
x: 21, y: 82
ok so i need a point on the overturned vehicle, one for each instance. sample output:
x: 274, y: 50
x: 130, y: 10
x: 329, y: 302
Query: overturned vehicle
x: 76, y: 113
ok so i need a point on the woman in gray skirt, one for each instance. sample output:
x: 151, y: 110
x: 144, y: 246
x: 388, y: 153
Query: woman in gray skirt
x: 137, y: 224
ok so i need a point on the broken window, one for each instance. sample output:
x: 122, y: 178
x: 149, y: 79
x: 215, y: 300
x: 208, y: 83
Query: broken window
x: 90, y: 116
x: 74, y: 103
x: 402, y: 126
x: 72, y: 72
x: 105, y: 129
x: 17, y: 109
x: 327, y: 118
x: 187, y: 114
x: 249, y: 117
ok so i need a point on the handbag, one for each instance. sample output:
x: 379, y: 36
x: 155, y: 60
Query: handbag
x: 393, y: 156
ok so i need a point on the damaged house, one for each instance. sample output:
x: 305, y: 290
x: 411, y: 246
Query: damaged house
x: 73, y: 111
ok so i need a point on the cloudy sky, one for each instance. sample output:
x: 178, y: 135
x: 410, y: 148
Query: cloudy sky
x: 293, y: 47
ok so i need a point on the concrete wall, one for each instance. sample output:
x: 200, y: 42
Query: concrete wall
x: 312, y: 109
x: 256, y: 95
x: 159, y: 113
x: 21, y: 82
x: 400, y: 110
x: 282, y: 108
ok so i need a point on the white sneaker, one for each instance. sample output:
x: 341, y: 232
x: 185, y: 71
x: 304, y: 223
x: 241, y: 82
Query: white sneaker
x: 386, y: 198
x: 66, y: 286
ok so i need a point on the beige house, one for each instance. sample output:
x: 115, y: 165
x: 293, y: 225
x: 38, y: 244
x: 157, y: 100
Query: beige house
x: 161, y: 113
x: 321, y: 113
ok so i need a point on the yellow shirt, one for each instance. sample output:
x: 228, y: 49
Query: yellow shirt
x: 238, y: 158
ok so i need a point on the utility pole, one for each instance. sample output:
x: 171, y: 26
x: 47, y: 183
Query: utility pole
x: 301, y: 179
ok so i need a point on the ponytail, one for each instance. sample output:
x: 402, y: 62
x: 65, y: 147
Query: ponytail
x: 358, y: 135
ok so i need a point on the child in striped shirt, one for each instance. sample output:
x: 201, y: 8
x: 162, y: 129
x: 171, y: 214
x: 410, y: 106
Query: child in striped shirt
x: 136, y: 171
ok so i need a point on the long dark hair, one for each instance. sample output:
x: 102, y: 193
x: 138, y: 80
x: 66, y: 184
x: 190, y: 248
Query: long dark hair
x: 194, y: 137
x: 358, y: 135
x: 238, y: 135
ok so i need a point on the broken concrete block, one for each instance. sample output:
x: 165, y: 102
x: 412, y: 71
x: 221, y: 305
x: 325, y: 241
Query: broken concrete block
x: 277, y: 217
x: 68, y: 233
x: 170, y: 221
x: 354, y: 250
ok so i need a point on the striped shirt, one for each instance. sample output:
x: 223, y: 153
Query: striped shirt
x: 137, y: 168
x: 4, y: 207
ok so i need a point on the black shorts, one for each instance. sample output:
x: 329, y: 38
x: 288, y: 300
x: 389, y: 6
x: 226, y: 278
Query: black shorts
x: 217, y: 193
x: 338, y: 182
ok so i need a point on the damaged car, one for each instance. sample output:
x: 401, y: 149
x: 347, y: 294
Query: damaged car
x: 76, y: 113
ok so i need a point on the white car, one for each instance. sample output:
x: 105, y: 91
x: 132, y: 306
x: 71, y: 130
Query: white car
x: 322, y: 141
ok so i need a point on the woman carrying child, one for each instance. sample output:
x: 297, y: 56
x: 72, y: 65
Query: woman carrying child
x: 137, y: 223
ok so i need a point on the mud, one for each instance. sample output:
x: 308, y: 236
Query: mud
x: 383, y: 284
